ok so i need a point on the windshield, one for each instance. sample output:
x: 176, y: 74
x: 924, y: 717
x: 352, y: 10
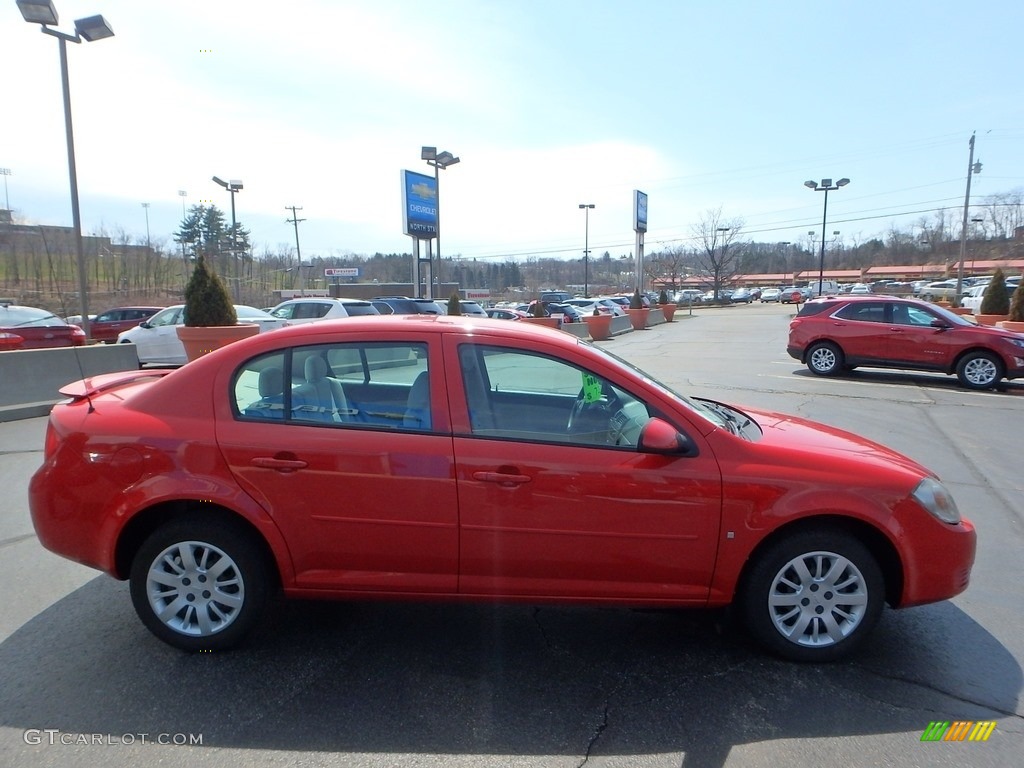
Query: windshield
x: 707, y: 410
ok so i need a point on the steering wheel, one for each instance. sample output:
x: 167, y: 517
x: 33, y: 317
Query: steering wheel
x: 589, y: 415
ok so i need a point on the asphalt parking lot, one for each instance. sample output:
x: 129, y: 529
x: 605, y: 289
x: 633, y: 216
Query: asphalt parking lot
x: 82, y: 683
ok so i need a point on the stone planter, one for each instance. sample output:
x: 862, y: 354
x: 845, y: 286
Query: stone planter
x: 990, y: 319
x: 1017, y: 326
x: 600, y: 326
x: 961, y: 310
x: 199, y: 340
x: 550, y: 322
x: 638, y: 317
x: 669, y: 311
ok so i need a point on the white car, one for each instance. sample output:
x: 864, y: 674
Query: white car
x: 156, y: 340
x: 860, y: 289
x: 314, y: 308
x: 771, y: 294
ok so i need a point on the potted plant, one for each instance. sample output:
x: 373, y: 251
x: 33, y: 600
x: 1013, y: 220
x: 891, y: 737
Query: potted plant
x: 539, y: 315
x: 210, y: 319
x: 1016, y: 319
x: 637, y: 311
x: 599, y: 325
x: 668, y: 308
x: 454, y: 304
x: 995, y: 303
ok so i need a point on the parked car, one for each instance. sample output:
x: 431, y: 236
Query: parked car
x: 403, y: 305
x: 517, y: 464
x: 33, y: 328
x: 741, y: 296
x: 794, y: 294
x: 834, y: 335
x: 314, y: 308
x: 859, y: 289
x: 689, y: 296
x: 587, y: 306
x: 771, y: 294
x: 613, y: 307
x: 472, y: 308
x: 723, y: 294
x: 976, y: 295
x: 106, y: 325
x: 156, y: 339
x: 504, y: 313
x: 941, y: 289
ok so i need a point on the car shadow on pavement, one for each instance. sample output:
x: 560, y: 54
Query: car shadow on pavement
x: 443, y: 679
x: 937, y: 380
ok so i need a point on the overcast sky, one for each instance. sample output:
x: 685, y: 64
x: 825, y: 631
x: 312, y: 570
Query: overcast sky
x: 702, y: 104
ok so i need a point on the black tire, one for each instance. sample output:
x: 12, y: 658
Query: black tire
x: 979, y: 370
x: 825, y: 359
x: 221, y: 590
x: 814, y: 596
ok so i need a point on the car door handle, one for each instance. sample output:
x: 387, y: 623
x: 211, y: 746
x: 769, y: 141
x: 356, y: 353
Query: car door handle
x: 284, y: 465
x: 501, y: 478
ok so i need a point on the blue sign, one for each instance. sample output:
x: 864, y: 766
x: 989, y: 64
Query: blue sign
x: 419, y: 205
x: 639, y: 211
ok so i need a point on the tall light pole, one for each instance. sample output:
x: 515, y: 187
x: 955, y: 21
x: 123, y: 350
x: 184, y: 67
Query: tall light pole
x: 586, y: 248
x: 89, y: 29
x: 295, y: 220
x: 438, y: 160
x: 232, y: 186
x: 145, y: 207
x: 5, y: 172
x: 826, y: 186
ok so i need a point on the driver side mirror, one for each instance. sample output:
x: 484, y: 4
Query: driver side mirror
x: 658, y: 436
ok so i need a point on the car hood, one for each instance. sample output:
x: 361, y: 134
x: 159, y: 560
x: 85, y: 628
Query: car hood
x: 825, y: 445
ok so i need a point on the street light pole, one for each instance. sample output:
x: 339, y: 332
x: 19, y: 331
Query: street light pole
x: 233, y: 186
x: 586, y: 248
x: 298, y: 253
x: 89, y: 29
x: 438, y: 160
x: 5, y: 172
x: 826, y: 186
x: 145, y: 207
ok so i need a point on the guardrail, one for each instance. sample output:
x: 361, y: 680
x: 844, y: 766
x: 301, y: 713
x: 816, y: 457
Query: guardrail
x: 30, y: 379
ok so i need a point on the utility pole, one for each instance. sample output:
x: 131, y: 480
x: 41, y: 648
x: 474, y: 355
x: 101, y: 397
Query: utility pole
x: 972, y: 168
x: 298, y: 253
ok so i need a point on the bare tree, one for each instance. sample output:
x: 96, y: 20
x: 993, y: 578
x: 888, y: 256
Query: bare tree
x: 717, y: 239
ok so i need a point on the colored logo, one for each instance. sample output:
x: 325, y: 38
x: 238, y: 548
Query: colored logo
x: 959, y: 730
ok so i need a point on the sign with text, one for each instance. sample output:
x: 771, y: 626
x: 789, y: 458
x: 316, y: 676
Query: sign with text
x: 639, y: 211
x: 419, y: 205
x: 341, y: 272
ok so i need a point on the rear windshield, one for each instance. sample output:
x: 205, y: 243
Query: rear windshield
x: 356, y: 309
x: 815, y: 307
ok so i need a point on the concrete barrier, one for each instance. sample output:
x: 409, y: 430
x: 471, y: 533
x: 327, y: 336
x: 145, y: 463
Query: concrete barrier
x: 30, y: 378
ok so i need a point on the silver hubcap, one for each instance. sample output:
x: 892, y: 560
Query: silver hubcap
x: 823, y: 359
x: 195, y: 588
x: 817, y: 599
x: 980, y: 371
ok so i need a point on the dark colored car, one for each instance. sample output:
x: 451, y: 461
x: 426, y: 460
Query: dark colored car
x: 33, y: 328
x: 451, y: 458
x: 107, y: 325
x: 403, y: 305
x: 836, y: 334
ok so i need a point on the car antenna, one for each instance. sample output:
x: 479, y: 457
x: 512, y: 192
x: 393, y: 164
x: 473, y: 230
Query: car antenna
x: 64, y: 313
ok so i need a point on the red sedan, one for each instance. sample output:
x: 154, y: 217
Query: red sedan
x: 425, y: 457
x: 33, y: 328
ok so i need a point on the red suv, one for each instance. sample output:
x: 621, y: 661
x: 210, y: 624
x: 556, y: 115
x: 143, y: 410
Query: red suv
x: 107, y: 325
x: 837, y: 334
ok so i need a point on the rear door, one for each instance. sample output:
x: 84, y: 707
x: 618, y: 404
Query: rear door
x: 366, y: 501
